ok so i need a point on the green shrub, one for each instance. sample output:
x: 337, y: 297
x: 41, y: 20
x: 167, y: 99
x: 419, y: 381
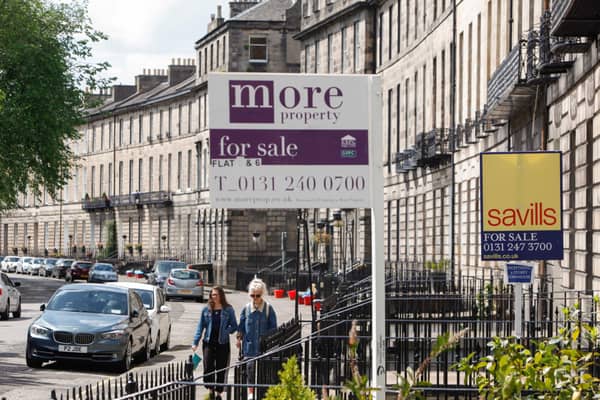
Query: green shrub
x: 291, y: 385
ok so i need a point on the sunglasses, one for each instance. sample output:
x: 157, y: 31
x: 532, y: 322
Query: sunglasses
x: 256, y: 296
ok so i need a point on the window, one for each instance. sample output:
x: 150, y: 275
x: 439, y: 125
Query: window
x: 316, y: 70
x: 390, y: 13
x: 224, y: 40
x: 355, y: 47
x: 120, y: 177
x: 211, y: 56
x: 151, y: 128
x: 329, y: 43
x: 120, y: 132
x: 169, y: 159
x: 179, y: 165
x: 93, y: 189
x: 189, y: 121
x: 93, y: 139
x: 189, y: 169
x: 130, y: 176
x: 380, y: 39
x: 398, y: 30
x: 150, y: 174
x: 343, y: 48
x: 179, y: 108
x: 389, y: 131
x: 258, y: 49
x: 161, y: 123
x: 306, y: 58
x: 160, y: 172
x: 110, y: 182
x: 130, y: 130
x: 102, y: 137
x: 140, y: 128
x: 218, y: 49
x: 140, y: 174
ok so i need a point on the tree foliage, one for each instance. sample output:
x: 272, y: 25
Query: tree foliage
x: 44, y: 53
x: 291, y: 385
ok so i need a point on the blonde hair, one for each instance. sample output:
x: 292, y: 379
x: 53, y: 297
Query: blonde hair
x: 257, y: 284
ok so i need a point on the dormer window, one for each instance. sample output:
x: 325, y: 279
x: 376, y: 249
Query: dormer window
x: 258, y: 49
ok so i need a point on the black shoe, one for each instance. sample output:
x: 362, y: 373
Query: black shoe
x: 218, y: 396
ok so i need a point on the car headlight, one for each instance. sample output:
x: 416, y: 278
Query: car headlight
x: 39, y: 331
x: 114, y: 335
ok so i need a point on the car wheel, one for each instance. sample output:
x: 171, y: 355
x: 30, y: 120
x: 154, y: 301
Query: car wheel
x: 157, y: 344
x: 165, y: 346
x: 199, y: 299
x: 147, y: 349
x: 32, y: 362
x: 17, y: 314
x: 125, y: 363
x: 4, y: 314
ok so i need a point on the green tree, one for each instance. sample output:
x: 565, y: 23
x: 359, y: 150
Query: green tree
x: 111, y: 238
x: 44, y: 53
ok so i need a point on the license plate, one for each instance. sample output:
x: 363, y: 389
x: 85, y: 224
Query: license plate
x: 185, y: 291
x: 72, y: 349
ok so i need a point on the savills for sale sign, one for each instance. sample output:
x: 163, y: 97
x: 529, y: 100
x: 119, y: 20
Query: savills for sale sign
x: 290, y: 140
x: 521, y: 206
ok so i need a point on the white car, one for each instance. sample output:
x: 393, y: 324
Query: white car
x: 24, y: 265
x: 9, y: 264
x: 34, y: 268
x: 154, y: 302
x: 10, y: 298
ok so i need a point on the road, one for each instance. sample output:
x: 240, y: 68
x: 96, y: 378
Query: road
x: 17, y: 381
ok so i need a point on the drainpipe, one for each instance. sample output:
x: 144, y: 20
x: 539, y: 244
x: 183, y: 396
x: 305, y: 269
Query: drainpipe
x: 452, y: 140
x: 544, y: 146
x: 510, y: 46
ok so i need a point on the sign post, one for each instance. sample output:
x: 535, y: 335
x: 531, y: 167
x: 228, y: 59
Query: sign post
x: 303, y: 141
x: 518, y: 275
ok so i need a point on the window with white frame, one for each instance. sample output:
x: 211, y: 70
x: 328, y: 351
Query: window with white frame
x: 258, y: 49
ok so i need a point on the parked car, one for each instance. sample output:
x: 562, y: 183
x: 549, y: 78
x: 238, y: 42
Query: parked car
x: 60, y: 268
x: 23, y: 265
x: 10, y: 297
x: 103, y: 272
x: 185, y: 283
x: 96, y: 323
x: 161, y: 269
x: 9, y: 264
x: 46, y: 268
x: 159, y: 313
x: 78, y: 270
x: 35, y: 266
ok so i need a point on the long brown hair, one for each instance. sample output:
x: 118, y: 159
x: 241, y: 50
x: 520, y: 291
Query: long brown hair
x: 211, y: 302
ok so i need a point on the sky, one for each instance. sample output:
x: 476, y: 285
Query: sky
x: 148, y: 33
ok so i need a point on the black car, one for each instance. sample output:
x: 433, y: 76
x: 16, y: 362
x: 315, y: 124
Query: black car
x: 90, y: 322
x: 60, y: 268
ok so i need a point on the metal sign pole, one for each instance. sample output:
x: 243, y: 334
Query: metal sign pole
x: 378, y: 344
x: 518, y: 309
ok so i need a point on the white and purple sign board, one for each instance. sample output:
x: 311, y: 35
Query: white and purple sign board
x: 289, y: 140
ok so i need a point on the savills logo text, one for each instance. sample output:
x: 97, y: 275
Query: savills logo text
x: 251, y: 102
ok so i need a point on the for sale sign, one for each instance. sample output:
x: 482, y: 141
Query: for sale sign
x: 521, y: 206
x: 290, y: 141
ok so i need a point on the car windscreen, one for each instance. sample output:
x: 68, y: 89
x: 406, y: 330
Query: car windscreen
x: 89, y: 301
x: 83, y: 265
x: 185, y: 274
x: 103, y: 267
x: 51, y: 261
x: 166, y: 267
x: 147, y: 298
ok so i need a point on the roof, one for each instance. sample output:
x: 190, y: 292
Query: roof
x: 134, y: 285
x: 269, y: 10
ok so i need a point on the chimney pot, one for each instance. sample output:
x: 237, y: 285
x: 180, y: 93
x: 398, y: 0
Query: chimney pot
x: 178, y: 61
x: 212, y: 17
x: 219, y: 11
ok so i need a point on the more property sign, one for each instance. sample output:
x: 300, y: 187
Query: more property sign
x: 290, y: 140
x: 521, y: 206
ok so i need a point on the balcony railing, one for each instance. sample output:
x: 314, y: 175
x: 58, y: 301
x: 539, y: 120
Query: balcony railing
x: 578, y: 18
x: 507, y: 89
x: 143, y: 198
x: 96, y: 204
x: 407, y: 160
x: 434, y: 147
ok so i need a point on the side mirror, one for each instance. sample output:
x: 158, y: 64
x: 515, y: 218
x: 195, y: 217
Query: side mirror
x: 164, y: 309
x: 17, y: 283
x: 43, y: 307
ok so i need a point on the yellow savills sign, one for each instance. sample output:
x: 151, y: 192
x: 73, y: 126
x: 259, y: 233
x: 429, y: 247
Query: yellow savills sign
x: 521, y: 204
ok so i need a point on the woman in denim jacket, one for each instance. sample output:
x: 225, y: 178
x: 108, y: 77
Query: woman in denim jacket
x: 256, y: 319
x: 217, y: 322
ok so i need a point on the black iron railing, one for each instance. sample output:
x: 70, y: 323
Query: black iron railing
x: 96, y: 203
x: 143, y: 198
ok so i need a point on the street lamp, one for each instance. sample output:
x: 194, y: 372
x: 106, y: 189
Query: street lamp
x: 255, y: 238
x: 164, y: 239
x: 124, y: 252
x: 28, y: 242
x: 71, y: 245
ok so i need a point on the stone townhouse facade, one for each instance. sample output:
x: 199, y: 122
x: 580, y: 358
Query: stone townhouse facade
x: 142, y: 161
x: 527, y: 78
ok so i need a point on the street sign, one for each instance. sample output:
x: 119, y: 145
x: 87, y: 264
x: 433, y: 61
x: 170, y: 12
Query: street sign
x: 518, y: 274
x: 521, y: 206
x: 290, y: 140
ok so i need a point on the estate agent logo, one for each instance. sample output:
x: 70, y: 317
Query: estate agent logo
x: 251, y: 102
